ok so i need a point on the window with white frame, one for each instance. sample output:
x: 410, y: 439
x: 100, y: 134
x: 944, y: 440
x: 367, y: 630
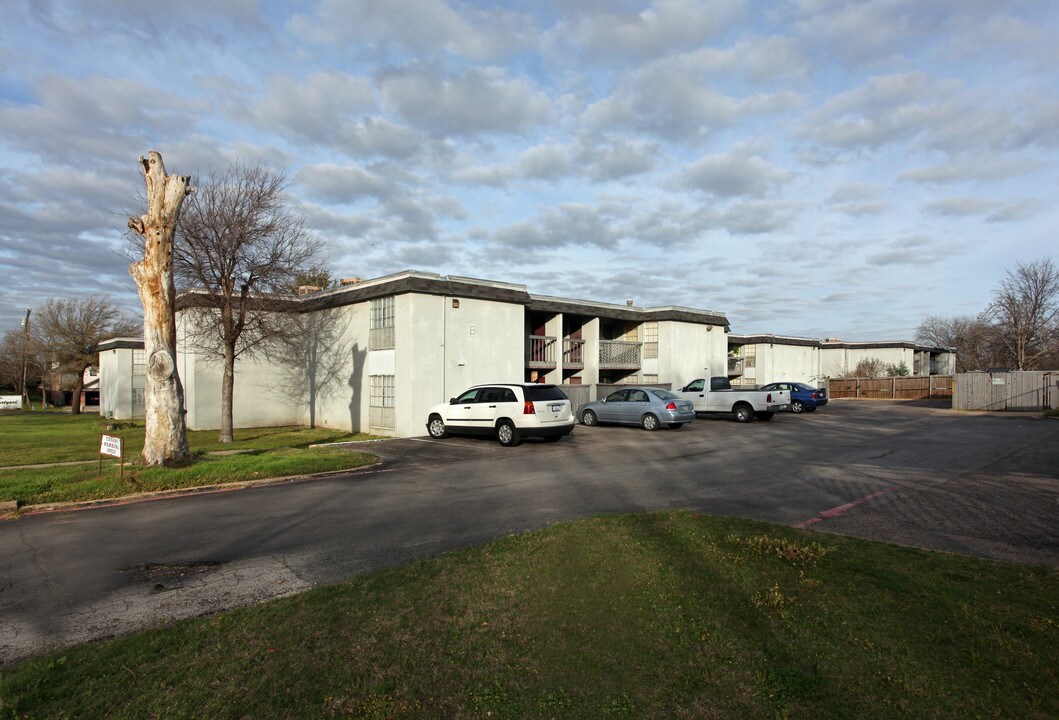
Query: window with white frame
x: 139, y: 362
x: 381, y: 336
x: 381, y: 392
x: 650, y: 379
x: 650, y: 339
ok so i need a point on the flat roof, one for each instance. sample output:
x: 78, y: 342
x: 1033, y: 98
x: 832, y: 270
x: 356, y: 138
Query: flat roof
x: 834, y: 344
x: 414, y: 281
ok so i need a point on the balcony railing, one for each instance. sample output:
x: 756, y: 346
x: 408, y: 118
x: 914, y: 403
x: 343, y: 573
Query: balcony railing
x: 573, y: 353
x: 540, y: 351
x: 735, y: 366
x: 619, y: 354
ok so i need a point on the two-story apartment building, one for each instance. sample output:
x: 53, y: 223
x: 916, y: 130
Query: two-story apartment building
x: 375, y: 355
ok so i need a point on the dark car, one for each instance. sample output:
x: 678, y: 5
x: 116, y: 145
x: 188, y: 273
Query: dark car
x: 804, y: 398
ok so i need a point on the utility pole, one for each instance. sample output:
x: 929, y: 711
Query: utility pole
x: 25, y: 360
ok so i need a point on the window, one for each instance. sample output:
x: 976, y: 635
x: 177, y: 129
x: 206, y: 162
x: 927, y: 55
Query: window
x: 139, y: 362
x: 381, y: 414
x: 138, y: 404
x: 650, y: 379
x: 650, y: 339
x: 381, y: 391
x: 381, y: 336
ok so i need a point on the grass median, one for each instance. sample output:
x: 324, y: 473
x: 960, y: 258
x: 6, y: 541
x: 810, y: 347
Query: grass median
x: 668, y: 615
x: 59, y: 437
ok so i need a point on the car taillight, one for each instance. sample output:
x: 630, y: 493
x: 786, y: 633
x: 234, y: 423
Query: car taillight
x: 671, y: 406
x: 527, y: 408
x: 813, y: 396
x: 768, y: 398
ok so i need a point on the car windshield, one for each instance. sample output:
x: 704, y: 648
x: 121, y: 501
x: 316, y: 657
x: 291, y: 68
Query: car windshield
x: 664, y: 394
x: 539, y: 393
x: 803, y: 386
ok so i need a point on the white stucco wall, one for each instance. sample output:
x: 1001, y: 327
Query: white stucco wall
x: 442, y: 350
x: 115, y: 383
x: 262, y: 394
x: 688, y: 350
x: 837, y: 361
x: 776, y: 361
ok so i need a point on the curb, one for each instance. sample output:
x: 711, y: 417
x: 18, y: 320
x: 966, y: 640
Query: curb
x: 9, y: 510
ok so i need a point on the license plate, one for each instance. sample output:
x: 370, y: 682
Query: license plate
x: 556, y: 408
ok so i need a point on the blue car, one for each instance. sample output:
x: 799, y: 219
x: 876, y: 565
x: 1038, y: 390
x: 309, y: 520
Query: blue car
x: 804, y: 398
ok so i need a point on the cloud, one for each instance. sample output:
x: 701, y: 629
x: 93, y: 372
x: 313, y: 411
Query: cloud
x: 311, y: 108
x: 476, y: 101
x: 971, y: 169
x: 959, y: 206
x: 418, y: 27
x: 660, y: 29
x: 96, y: 118
x: 678, y: 106
x: 738, y: 173
x: 1016, y: 211
x: 342, y: 184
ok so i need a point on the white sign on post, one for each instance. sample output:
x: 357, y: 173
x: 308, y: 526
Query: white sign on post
x: 109, y: 445
x: 113, y: 446
x: 10, y: 402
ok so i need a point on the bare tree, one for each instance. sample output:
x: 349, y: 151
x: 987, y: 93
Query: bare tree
x: 240, y: 246
x: 973, y: 339
x: 866, y: 368
x: 69, y: 331
x: 166, y: 438
x: 1025, y: 311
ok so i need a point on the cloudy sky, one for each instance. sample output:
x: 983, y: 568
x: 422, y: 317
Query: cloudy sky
x: 808, y: 167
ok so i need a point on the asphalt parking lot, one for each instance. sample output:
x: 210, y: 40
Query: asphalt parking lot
x: 908, y: 473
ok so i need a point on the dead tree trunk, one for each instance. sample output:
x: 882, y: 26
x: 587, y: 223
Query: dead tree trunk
x: 166, y: 439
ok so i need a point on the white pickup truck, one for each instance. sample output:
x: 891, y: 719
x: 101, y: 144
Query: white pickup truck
x: 716, y: 395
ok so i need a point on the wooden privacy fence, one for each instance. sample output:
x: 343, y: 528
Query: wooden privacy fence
x: 1025, y: 390
x: 933, y: 387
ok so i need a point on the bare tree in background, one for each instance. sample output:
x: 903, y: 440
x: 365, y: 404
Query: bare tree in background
x: 1025, y: 311
x: 871, y: 367
x: 69, y: 331
x: 239, y: 246
x: 973, y: 339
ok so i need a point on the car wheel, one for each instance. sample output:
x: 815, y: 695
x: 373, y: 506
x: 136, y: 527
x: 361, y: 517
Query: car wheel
x: 764, y: 415
x: 675, y: 426
x: 589, y: 418
x: 507, y: 434
x: 743, y: 413
x: 649, y: 422
x: 797, y: 406
x: 436, y: 427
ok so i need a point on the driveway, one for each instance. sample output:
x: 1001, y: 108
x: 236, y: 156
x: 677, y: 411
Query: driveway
x: 978, y: 484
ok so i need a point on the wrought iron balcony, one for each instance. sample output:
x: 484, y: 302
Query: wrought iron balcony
x: 619, y: 355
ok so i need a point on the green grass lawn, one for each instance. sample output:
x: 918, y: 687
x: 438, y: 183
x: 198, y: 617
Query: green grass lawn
x: 55, y: 436
x: 667, y: 615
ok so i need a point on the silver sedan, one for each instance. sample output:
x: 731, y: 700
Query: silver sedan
x: 650, y: 408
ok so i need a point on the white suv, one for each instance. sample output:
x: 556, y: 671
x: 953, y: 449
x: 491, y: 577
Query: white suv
x: 509, y: 412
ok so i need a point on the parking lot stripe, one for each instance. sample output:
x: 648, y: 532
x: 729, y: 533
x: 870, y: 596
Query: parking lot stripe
x: 840, y: 509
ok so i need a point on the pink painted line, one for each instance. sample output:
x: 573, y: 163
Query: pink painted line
x: 839, y: 510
